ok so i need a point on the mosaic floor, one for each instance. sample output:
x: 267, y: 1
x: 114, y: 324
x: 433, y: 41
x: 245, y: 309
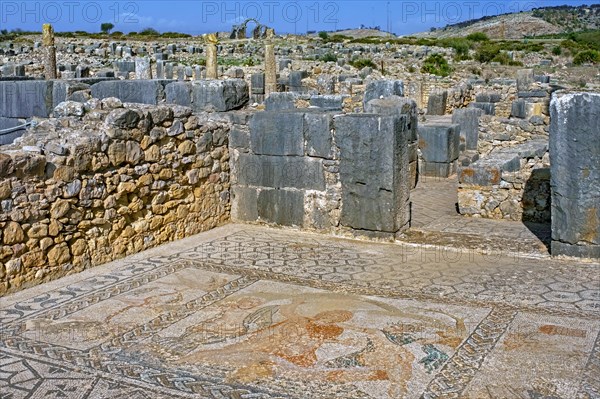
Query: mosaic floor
x: 254, y: 312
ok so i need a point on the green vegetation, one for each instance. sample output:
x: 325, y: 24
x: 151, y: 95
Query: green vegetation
x: 478, y: 37
x: 556, y: 50
x: 436, y: 64
x: 106, y: 27
x: 329, y: 57
x: 587, y: 57
x: 149, y: 32
x: 334, y: 38
x: 361, y: 63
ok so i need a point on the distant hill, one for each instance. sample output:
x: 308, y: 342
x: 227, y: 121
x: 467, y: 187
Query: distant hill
x: 540, y: 21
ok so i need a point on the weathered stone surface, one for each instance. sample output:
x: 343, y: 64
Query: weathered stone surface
x: 281, y: 101
x: 257, y: 83
x: 13, y: 234
x: 282, y: 207
x: 244, y: 204
x: 123, y: 118
x: 330, y: 102
x: 277, y: 133
x: 525, y: 77
x: 24, y: 99
x: 374, y: 171
x: 281, y: 172
x: 382, y: 89
x: 439, y: 142
x: 518, y: 109
x: 103, y: 188
x: 575, y: 174
x: 130, y: 91
x: 219, y: 95
x: 239, y: 137
x: 487, y: 108
x: 142, y: 68
x: 318, y: 134
x: 468, y: 119
x: 179, y: 93
x: 436, y: 105
x: 488, y: 97
x: 395, y: 105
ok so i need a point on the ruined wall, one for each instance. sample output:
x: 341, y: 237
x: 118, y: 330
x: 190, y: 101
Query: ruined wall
x: 575, y: 153
x: 511, y: 183
x: 314, y: 169
x: 106, y: 181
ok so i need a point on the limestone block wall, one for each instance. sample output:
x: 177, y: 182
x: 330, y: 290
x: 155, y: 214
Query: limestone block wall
x: 105, y: 181
x: 575, y: 155
x: 322, y: 170
x: 510, y: 183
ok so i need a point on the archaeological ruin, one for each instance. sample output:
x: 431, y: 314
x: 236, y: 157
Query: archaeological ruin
x: 356, y: 192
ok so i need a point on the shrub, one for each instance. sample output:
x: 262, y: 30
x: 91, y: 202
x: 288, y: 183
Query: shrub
x: 487, y: 52
x: 436, y: 64
x: 556, y: 50
x: 361, y: 63
x: 324, y: 35
x: 478, y: 37
x: 329, y: 57
x: 149, y: 32
x: 175, y: 35
x: 587, y: 57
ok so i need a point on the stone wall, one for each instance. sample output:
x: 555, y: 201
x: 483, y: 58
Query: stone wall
x: 510, y: 183
x: 575, y: 154
x: 314, y: 169
x: 105, y: 181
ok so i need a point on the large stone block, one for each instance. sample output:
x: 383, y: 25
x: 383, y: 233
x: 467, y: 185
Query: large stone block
x: 142, y: 68
x: 277, y: 133
x: 487, y: 108
x: 575, y: 174
x: 438, y: 169
x: 27, y: 98
x: 439, y: 142
x: 488, y: 98
x: 518, y: 109
x: 318, y: 134
x: 374, y: 171
x: 239, y: 137
x: 179, y: 93
x: 282, y: 207
x: 257, y: 83
x: 219, y: 95
x: 436, y: 105
x: 281, y: 172
x: 383, y: 88
x: 331, y: 102
x: 281, y: 101
x: 525, y: 78
x: 244, y: 204
x: 130, y: 91
x: 395, y: 105
x: 468, y: 119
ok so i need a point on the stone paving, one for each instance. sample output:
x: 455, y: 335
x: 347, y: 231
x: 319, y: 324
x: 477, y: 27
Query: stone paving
x: 435, y: 220
x: 246, y: 311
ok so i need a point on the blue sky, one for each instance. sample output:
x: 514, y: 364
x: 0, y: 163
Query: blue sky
x: 197, y: 17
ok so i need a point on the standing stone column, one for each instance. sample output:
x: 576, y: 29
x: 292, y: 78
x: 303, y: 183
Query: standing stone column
x: 270, y: 70
x: 575, y: 174
x: 212, y: 70
x: 142, y: 68
x: 50, y: 51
